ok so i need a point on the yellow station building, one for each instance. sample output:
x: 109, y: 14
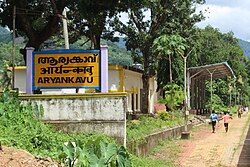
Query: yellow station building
x: 120, y: 79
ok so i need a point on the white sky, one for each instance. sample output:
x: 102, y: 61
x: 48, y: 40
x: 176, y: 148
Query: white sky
x: 228, y: 15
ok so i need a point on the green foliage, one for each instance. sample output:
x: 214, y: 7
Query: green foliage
x: 20, y: 129
x: 149, y: 162
x: 174, y: 96
x: 6, y: 55
x: 165, y: 116
x: 138, y: 129
x: 39, y: 22
x: 212, y: 46
x: 171, y: 17
x: 94, y: 26
x: 5, y: 76
x: 168, y: 148
x: 117, y: 55
x: 168, y: 47
x: 233, y: 109
x: 97, y: 152
x: 217, y: 104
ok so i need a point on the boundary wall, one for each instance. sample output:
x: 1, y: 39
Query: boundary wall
x: 100, y: 112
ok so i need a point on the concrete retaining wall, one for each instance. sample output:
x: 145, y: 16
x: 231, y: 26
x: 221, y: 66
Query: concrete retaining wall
x: 100, y: 113
x: 151, y: 141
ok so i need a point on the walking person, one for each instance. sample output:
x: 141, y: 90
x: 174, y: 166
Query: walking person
x: 239, y: 111
x: 214, y: 118
x: 226, y: 119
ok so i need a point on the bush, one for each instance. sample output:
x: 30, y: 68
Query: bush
x: 20, y: 129
x: 165, y: 116
x: 174, y: 96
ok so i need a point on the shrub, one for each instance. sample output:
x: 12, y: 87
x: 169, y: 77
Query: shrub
x: 174, y: 96
x: 20, y: 129
x: 165, y: 116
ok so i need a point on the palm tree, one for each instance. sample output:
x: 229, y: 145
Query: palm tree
x: 167, y: 46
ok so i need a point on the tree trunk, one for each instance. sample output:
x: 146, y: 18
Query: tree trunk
x: 31, y: 43
x: 145, y: 81
x: 145, y: 94
x: 97, y: 41
x: 34, y: 42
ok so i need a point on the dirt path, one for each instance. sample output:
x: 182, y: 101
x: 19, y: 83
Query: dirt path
x: 11, y: 157
x: 219, y: 149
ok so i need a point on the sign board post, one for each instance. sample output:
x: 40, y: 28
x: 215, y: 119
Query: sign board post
x: 104, y: 71
x: 29, y: 67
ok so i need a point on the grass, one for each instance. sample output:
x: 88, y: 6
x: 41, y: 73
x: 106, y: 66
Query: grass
x: 164, y: 155
x: 21, y: 129
x: 137, y: 130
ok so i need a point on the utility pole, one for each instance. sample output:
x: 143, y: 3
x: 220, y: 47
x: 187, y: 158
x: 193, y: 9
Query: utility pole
x: 185, y: 88
x: 185, y: 91
x: 185, y: 134
x: 65, y: 28
x: 235, y: 93
x: 13, y: 48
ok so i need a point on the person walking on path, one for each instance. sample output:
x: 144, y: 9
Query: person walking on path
x: 239, y: 111
x: 214, y: 119
x: 226, y: 119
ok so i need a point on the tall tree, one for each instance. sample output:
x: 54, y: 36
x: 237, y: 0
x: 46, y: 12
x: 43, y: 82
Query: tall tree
x: 141, y: 31
x: 37, y: 20
x: 167, y: 46
x: 90, y: 18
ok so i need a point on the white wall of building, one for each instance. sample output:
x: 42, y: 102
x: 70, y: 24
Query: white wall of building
x: 114, y: 80
x: 133, y: 84
x: 20, y: 79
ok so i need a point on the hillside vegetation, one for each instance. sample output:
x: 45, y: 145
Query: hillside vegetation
x: 118, y: 55
x: 245, y: 46
x: 5, y: 35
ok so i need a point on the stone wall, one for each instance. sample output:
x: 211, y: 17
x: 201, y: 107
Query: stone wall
x: 99, y: 112
x: 151, y: 141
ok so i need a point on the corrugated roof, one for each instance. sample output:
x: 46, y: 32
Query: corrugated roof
x: 220, y: 70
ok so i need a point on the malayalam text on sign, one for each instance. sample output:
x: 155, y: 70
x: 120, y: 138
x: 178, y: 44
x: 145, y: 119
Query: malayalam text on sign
x: 66, y: 70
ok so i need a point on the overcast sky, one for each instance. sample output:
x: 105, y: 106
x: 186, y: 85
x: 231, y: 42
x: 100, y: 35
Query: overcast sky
x: 228, y: 15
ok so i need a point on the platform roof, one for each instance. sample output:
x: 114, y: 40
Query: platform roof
x: 220, y: 70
